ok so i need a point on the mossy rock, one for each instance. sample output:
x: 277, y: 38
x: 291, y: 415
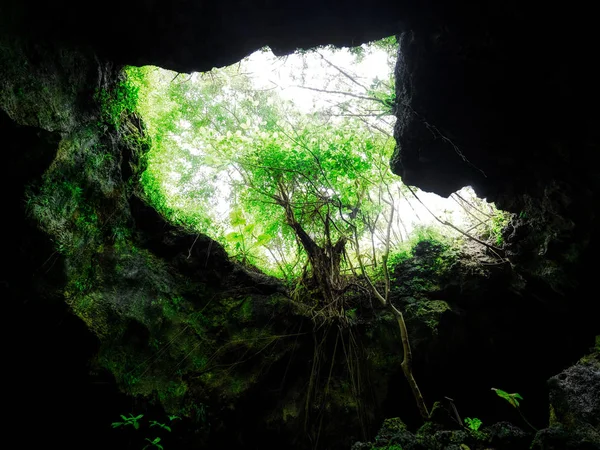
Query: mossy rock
x: 429, y: 312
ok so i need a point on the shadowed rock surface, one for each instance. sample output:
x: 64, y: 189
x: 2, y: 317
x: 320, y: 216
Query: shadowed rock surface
x: 108, y: 298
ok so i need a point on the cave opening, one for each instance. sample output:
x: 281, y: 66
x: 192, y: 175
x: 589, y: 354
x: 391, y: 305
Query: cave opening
x: 313, y: 130
x: 168, y: 319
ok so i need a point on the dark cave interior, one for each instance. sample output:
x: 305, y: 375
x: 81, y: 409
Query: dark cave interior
x: 514, y: 85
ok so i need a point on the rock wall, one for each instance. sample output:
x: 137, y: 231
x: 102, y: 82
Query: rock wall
x: 500, y: 97
x: 501, y: 100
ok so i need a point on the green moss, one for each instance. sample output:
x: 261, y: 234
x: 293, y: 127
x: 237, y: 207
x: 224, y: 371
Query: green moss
x: 429, y: 312
x: 458, y: 436
x: 425, y: 435
x: 427, y: 428
x: 594, y: 356
x: 90, y: 309
x: 496, y: 226
x: 252, y: 338
x: 198, y: 362
x: 171, y: 395
x: 479, y: 435
x: 381, y: 359
x: 117, y: 101
x: 290, y: 412
x: 237, y: 386
x: 170, y: 311
x: 430, y: 267
x: 245, y: 310
x: 342, y: 396
x: 199, y: 322
x: 553, y: 421
x: 393, y: 425
x: 228, y: 385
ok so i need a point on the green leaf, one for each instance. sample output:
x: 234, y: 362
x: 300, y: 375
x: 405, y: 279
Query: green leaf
x: 154, y: 443
x: 510, y: 398
x: 263, y: 239
x: 234, y: 237
x: 237, y: 218
x: 117, y: 424
x: 473, y: 424
x: 154, y: 423
x: 136, y: 425
x: 503, y: 394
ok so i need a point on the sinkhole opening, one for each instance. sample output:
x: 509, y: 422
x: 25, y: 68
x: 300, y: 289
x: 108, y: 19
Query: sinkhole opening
x: 278, y: 157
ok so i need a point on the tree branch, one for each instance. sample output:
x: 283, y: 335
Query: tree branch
x: 351, y: 78
x: 349, y: 94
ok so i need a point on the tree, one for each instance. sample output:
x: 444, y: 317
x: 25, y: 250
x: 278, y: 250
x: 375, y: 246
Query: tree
x: 316, y: 185
x: 319, y: 180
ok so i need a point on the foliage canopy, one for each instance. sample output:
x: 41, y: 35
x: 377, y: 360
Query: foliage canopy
x: 245, y: 166
x: 278, y: 180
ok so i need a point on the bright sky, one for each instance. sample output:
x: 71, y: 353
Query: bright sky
x: 269, y: 71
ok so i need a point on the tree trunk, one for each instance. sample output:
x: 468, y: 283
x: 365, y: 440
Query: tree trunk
x: 325, y: 262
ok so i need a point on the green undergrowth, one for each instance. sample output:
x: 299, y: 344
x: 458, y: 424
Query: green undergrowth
x: 80, y: 203
x: 445, y: 247
x: 191, y: 353
x: 420, y: 273
x: 119, y: 100
x: 425, y: 264
x: 136, y: 95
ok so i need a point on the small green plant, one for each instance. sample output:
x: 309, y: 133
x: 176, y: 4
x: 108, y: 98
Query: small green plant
x: 134, y: 421
x: 497, y: 224
x: 473, y: 424
x: 351, y: 315
x: 154, y: 443
x: 513, y: 399
x: 129, y: 421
